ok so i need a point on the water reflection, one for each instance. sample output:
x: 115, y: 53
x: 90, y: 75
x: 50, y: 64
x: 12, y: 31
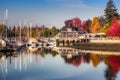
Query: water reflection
x: 112, y: 62
x: 22, y: 60
x: 77, y: 60
x: 113, y: 68
x: 82, y: 57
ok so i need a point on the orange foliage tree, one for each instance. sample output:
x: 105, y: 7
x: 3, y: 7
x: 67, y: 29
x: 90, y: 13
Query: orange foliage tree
x: 95, y: 25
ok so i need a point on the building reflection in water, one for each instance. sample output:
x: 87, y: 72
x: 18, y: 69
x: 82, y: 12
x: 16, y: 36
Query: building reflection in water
x: 82, y: 57
x: 77, y: 60
x: 71, y: 56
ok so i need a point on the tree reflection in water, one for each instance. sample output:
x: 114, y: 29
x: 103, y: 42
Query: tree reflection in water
x: 112, y: 62
x: 109, y: 74
x: 77, y: 60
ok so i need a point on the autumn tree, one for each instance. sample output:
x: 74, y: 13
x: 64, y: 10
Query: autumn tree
x: 77, y: 22
x: 2, y: 29
x: 114, y: 29
x: 95, y: 25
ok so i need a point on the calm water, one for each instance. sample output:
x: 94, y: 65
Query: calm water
x: 50, y: 65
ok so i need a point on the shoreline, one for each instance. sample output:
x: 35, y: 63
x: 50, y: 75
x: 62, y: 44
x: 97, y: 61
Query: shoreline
x: 98, y: 46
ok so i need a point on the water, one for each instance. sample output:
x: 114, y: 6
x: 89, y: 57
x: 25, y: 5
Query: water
x: 50, y: 65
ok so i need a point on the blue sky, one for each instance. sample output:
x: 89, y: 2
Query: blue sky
x: 51, y: 12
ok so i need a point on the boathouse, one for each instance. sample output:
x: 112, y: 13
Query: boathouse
x: 68, y: 35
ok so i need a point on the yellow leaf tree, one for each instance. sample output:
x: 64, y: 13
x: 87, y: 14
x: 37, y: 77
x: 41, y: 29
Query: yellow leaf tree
x: 95, y: 26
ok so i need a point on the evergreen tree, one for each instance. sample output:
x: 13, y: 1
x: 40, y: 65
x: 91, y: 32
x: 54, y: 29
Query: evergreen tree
x: 102, y: 21
x: 110, y: 11
x: 13, y: 31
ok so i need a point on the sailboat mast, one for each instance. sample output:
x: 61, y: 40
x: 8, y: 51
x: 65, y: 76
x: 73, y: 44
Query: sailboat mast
x: 20, y: 30
x: 25, y: 27
x: 6, y: 18
x: 30, y: 29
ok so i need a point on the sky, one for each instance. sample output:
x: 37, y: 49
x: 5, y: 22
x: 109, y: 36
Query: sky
x: 51, y: 12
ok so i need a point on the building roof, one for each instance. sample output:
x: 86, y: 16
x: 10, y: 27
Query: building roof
x: 66, y: 27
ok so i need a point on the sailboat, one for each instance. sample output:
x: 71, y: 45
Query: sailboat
x: 2, y: 41
x: 19, y: 44
x: 32, y: 43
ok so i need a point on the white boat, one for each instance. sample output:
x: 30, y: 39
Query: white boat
x: 2, y: 43
x: 51, y: 44
x: 32, y: 42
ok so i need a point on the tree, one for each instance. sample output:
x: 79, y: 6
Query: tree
x: 110, y: 11
x: 114, y: 29
x: 88, y: 25
x: 13, y: 31
x: 105, y: 27
x: 54, y: 31
x: 77, y: 22
x: 37, y: 31
x: 2, y: 29
x: 95, y: 25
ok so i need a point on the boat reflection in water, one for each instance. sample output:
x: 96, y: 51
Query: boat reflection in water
x: 57, y: 62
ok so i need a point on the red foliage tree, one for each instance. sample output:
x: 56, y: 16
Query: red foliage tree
x: 67, y: 22
x: 114, y: 29
x: 76, y: 22
x: 84, y: 25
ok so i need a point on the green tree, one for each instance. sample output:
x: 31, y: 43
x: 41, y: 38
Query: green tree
x: 54, y: 31
x: 13, y: 31
x: 110, y: 11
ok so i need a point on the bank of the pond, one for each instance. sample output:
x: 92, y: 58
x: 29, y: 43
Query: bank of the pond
x: 98, y: 46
